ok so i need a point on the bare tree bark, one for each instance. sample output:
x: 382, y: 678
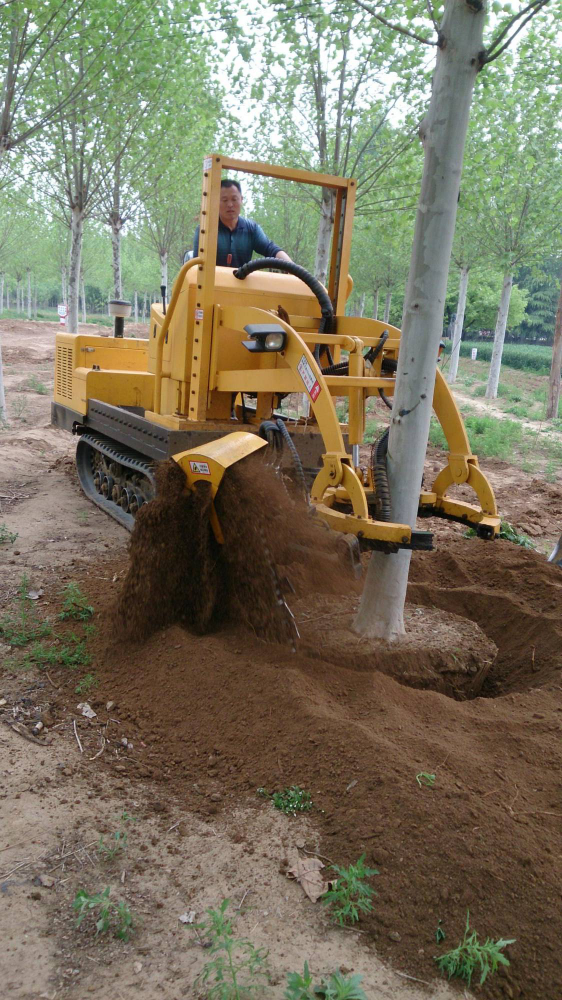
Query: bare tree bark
x: 29, y: 293
x: 381, y: 612
x: 387, y: 304
x: 83, y: 295
x: 7, y: 296
x: 361, y: 306
x: 499, y: 337
x: 1, y: 292
x: 324, y: 234
x: 459, y: 322
x: 76, y: 234
x: 554, y: 380
x: 116, y: 223
x: 376, y: 303
x: 63, y: 283
x: 3, y: 411
x: 136, y: 302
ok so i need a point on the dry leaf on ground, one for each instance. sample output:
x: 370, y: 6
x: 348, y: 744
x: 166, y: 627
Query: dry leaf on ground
x: 307, y: 871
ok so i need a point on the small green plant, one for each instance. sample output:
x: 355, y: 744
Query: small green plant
x: 350, y: 895
x: 42, y: 655
x: 117, y: 845
x: 35, y: 385
x: 110, y: 916
x: 7, y: 537
x: 425, y: 780
x: 439, y: 933
x: 89, y: 631
x: 74, y: 656
x: 290, y: 801
x: 75, y: 604
x: 23, y: 625
x: 510, y: 534
x: 236, y: 969
x: 87, y: 682
x: 335, y: 987
x: 470, y: 956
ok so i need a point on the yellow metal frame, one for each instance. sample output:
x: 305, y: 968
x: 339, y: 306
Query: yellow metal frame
x: 194, y: 366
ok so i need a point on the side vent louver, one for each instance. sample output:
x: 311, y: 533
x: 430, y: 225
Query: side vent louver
x: 63, y: 372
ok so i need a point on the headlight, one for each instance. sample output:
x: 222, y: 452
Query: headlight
x: 275, y: 341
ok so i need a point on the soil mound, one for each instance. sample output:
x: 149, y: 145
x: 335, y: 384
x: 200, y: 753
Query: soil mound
x: 217, y: 716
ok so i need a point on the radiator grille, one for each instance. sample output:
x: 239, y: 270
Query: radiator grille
x: 63, y: 372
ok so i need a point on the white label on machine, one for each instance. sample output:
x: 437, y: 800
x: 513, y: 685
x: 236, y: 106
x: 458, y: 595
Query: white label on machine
x: 309, y: 378
x: 198, y: 314
x: 200, y: 468
x: 207, y: 163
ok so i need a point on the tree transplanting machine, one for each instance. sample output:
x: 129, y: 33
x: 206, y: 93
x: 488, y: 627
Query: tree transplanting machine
x: 206, y: 387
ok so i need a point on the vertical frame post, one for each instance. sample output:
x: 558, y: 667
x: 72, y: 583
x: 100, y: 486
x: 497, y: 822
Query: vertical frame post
x: 204, y: 299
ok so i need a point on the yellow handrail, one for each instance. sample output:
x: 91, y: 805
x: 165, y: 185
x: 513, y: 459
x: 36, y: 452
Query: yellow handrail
x: 164, y: 329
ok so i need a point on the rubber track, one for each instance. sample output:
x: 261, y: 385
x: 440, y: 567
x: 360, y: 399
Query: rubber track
x: 89, y: 442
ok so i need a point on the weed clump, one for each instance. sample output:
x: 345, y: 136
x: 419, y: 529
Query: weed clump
x: 350, y: 895
x: 335, y: 987
x: 236, y: 969
x: 110, y: 916
x: 290, y: 801
x: 471, y: 956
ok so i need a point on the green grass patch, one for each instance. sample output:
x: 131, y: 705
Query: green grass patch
x: 534, y: 358
x: 290, y: 801
x: 488, y: 436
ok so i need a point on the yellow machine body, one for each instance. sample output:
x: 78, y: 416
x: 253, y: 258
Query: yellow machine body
x: 192, y: 373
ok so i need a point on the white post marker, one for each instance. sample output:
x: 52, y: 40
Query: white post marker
x: 473, y: 353
x: 62, y: 310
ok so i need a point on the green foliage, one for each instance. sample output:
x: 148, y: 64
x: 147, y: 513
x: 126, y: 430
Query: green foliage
x: 439, y: 933
x: 23, y: 625
x: 74, y: 604
x: 117, y: 845
x: 110, y: 916
x: 35, y: 385
x: 88, y: 682
x: 510, y: 534
x: 335, y: 987
x: 425, y: 780
x: 7, y: 537
x: 535, y: 358
x: 350, y: 895
x: 470, y: 956
x: 236, y: 968
x: 290, y: 801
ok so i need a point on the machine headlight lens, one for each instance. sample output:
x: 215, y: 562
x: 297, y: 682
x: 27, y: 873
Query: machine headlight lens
x: 275, y: 341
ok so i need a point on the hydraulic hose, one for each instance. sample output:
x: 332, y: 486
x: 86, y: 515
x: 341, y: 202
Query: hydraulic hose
x: 289, y: 267
x: 379, y: 452
x: 299, y: 471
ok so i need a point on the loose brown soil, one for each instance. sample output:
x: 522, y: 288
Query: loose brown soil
x: 212, y: 717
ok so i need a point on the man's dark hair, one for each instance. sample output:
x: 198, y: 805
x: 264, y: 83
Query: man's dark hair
x: 229, y: 182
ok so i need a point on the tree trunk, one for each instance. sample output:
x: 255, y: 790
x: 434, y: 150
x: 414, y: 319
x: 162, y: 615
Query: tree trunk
x: 381, y: 612
x: 361, y: 306
x: 116, y: 224
x: 387, y: 303
x: 35, y: 300
x: 163, y: 268
x: 499, y: 337
x: 29, y: 293
x: 76, y: 233
x: 457, y: 331
x: 376, y: 304
x: 7, y: 296
x: 136, y: 305
x: 144, y: 307
x: 83, y: 296
x: 1, y: 292
x: 3, y: 411
x: 555, y: 369
x: 325, y: 226
x: 63, y: 283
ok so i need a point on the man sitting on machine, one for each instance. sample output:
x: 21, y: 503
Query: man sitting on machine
x: 237, y: 237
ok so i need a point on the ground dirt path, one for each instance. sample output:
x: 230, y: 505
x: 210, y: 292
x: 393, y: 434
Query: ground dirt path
x: 187, y: 727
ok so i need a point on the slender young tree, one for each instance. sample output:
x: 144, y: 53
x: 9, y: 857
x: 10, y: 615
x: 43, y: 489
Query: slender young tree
x: 460, y: 56
x: 553, y: 400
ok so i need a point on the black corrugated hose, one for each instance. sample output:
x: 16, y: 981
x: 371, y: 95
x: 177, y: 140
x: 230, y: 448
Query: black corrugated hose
x: 276, y: 433
x: 289, y: 267
x: 379, y: 452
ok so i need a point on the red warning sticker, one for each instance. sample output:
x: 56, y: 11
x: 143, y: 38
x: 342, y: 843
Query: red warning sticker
x: 311, y: 383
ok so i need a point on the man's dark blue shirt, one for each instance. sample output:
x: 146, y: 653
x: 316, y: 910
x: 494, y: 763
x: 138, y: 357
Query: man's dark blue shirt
x: 236, y: 246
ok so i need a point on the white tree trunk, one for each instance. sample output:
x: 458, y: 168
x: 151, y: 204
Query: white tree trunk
x: 83, y: 297
x: 387, y: 303
x: 1, y: 293
x: 164, y: 267
x: 136, y: 306
x: 361, y: 306
x: 28, y: 293
x: 499, y: 337
x: 556, y: 366
x: 144, y: 307
x: 35, y: 300
x: 63, y: 284
x: 3, y: 411
x: 381, y: 612
x: 7, y: 296
x: 325, y: 226
x: 376, y: 304
x: 76, y: 233
x: 457, y: 331
x: 116, y: 260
